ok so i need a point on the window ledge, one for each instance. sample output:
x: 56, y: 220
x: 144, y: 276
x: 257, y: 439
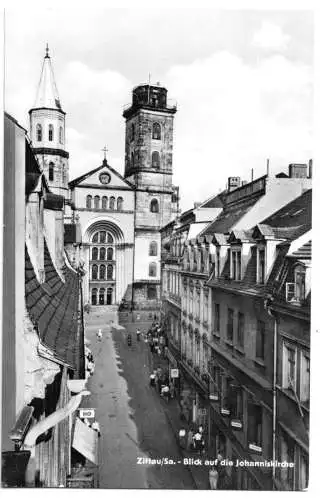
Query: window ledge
x: 240, y: 350
x: 260, y: 362
x: 229, y: 343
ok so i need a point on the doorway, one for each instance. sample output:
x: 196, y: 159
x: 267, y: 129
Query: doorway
x: 101, y: 297
x: 109, y: 296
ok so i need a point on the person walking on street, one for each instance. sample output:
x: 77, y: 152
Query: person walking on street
x: 213, y: 478
x: 99, y: 334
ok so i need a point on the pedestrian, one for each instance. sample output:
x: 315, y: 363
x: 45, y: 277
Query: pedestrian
x: 189, y: 439
x: 165, y: 392
x: 213, y: 478
x: 197, y: 441
x: 96, y: 427
x: 99, y: 334
x: 152, y: 379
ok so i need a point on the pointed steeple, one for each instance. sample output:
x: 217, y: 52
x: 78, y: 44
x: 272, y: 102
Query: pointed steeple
x: 47, y: 92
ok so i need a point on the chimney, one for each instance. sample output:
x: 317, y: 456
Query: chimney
x: 310, y: 168
x: 233, y: 183
x: 298, y: 170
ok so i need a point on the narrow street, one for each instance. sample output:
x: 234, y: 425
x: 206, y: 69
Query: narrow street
x: 131, y: 414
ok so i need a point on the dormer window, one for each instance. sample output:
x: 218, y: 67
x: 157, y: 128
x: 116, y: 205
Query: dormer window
x: 236, y: 265
x: 296, y: 292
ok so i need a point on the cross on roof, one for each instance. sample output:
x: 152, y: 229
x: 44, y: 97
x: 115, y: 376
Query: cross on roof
x: 105, y: 152
x: 47, y: 50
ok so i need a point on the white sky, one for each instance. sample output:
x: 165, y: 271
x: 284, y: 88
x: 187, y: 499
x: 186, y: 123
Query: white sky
x: 243, y: 82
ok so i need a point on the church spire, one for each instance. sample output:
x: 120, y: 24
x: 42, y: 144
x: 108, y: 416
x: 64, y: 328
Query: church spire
x: 47, y: 92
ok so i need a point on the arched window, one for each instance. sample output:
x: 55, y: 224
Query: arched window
x: 94, y: 272
x: 153, y: 248
x: 102, y: 253
x: 152, y: 292
x: 120, y: 203
x: 109, y: 272
x: 51, y: 171
x: 112, y: 202
x: 132, y: 132
x: 103, y: 235
x: 132, y: 160
x: 50, y: 132
x: 109, y: 253
x: 39, y: 132
x: 61, y: 135
x: 152, y: 269
x: 102, y: 272
x: 110, y: 238
x: 94, y: 253
x: 154, y: 206
x: 97, y: 202
x: 95, y: 238
x: 101, y: 296
x: 155, y: 159
x: 89, y: 201
x: 94, y: 296
x: 104, y: 202
x: 109, y: 296
x: 156, y: 131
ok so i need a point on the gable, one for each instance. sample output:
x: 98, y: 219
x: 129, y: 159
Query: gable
x: 104, y: 177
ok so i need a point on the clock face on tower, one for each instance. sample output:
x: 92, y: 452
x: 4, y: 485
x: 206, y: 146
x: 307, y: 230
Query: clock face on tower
x: 104, y: 178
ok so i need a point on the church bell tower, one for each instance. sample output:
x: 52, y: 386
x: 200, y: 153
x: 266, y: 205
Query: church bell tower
x: 148, y: 166
x: 47, y: 131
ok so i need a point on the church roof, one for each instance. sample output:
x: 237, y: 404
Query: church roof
x: 105, y: 164
x: 47, y: 92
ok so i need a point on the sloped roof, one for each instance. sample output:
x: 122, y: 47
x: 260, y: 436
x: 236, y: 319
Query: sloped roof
x: 47, y: 92
x: 303, y: 253
x: 230, y: 216
x: 53, y: 308
x: 105, y: 164
x: 216, y: 201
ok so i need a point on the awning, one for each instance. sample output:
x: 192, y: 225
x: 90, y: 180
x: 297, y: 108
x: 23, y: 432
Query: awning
x: 85, y: 441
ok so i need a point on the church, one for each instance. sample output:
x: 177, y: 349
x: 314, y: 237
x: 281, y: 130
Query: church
x: 119, y: 216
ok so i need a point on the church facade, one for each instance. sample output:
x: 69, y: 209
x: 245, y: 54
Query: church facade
x: 120, y: 216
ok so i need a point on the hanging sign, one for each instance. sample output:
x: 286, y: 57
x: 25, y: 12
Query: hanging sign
x: 174, y: 372
x: 86, y: 412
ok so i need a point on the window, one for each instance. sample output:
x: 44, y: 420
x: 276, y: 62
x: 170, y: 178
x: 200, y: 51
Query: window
x: 51, y: 171
x: 236, y: 265
x: 261, y: 266
x: 61, y: 135
x: 260, y: 340
x: 95, y: 238
x: 132, y: 132
x: 153, y: 248
x: 110, y: 254
x: 155, y: 159
x: 254, y: 426
x: 156, y: 131
x: 289, y: 367
x: 120, y: 203
x: 218, y: 261
x: 217, y: 318
x: 109, y: 296
x: 300, y: 282
x: 101, y: 296
x: 50, y: 132
x: 39, y: 132
x: 240, y: 332
x: 154, y: 206
x: 110, y: 238
x: 112, y: 202
x: 102, y: 272
x: 96, y: 202
x: 230, y: 326
x: 89, y: 201
x: 132, y: 160
x: 198, y: 304
x: 94, y: 293
x: 152, y: 292
x: 109, y: 272
x: 94, y: 253
x: 305, y: 378
x: 235, y: 401
x: 102, y: 253
x: 206, y: 305
x: 102, y: 236
x: 152, y: 269
x: 287, y: 454
x: 95, y: 272
x: 104, y: 202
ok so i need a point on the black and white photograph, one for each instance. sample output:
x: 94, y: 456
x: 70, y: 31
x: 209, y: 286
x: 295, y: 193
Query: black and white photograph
x: 156, y: 247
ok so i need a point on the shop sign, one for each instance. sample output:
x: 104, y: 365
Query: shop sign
x: 214, y: 397
x: 86, y: 412
x: 237, y: 424
x: 224, y: 411
x: 174, y: 373
x: 254, y: 447
x: 202, y: 411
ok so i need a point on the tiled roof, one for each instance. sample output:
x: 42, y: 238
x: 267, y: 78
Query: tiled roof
x: 303, y: 253
x: 216, y: 201
x: 230, y: 216
x: 53, y: 308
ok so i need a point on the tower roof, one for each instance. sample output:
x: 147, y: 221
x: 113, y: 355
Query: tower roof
x: 47, y: 92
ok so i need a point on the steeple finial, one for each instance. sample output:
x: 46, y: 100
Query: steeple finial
x: 104, y: 154
x: 47, y: 51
